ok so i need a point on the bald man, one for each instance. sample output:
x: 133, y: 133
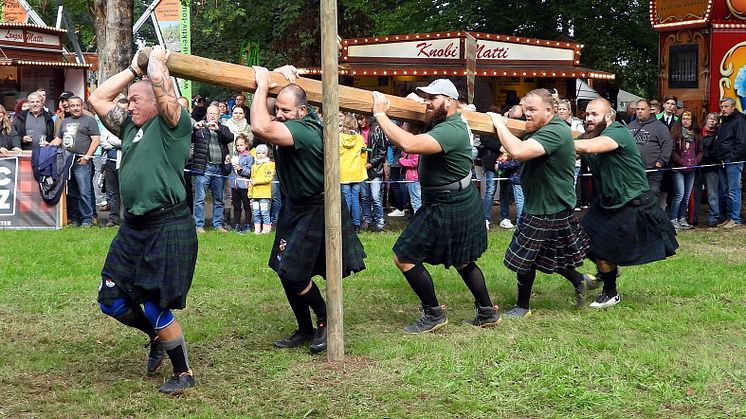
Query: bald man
x: 150, y: 265
x: 625, y: 224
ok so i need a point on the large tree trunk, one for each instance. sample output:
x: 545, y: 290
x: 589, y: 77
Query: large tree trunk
x: 113, y: 36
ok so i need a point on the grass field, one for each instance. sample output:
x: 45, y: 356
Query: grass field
x: 674, y: 347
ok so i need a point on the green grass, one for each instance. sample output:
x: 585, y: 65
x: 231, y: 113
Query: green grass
x: 674, y: 347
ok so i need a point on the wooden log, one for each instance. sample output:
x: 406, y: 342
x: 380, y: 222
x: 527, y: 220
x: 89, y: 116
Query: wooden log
x: 351, y: 99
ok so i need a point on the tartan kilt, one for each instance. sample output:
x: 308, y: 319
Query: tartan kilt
x: 299, y: 251
x: 547, y: 243
x: 151, y: 262
x: 632, y: 235
x: 448, y: 229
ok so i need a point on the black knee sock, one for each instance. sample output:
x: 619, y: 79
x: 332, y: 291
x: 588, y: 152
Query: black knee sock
x: 301, y: 311
x: 525, y: 283
x: 314, y: 299
x: 474, y: 280
x: 135, y: 317
x: 177, y: 353
x: 609, y: 279
x: 575, y: 277
x: 422, y: 284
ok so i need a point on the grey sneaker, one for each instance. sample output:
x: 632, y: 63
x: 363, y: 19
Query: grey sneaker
x: 591, y: 283
x: 675, y: 224
x: 580, y: 293
x: 155, y: 355
x: 516, y: 312
x: 604, y: 301
x: 433, y: 318
x: 684, y: 225
x: 178, y: 383
x: 485, y: 317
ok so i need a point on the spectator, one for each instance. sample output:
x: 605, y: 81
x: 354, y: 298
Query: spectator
x: 397, y: 191
x: 655, y: 107
x: 21, y: 105
x: 33, y: 126
x: 112, y: 146
x: 709, y: 157
x: 564, y: 112
x: 731, y: 141
x: 238, y: 124
x: 223, y: 109
x: 668, y: 116
x: 372, y: 190
x: 508, y: 167
x: 241, y: 102
x: 686, y: 153
x: 352, y: 173
x: 200, y: 110
x: 410, y: 162
x: 260, y: 189
x: 654, y: 142
x: 239, y: 166
x: 9, y: 141
x: 488, y: 153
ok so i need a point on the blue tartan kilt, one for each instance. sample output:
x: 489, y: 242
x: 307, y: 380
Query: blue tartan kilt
x: 299, y: 249
x: 151, y: 261
x: 632, y: 235
x: 448, y: 229
x: 547, y: 243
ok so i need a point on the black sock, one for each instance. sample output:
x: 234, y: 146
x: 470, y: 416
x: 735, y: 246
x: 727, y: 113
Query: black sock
x: 575, y: 277
x: 474, y: 280
x: 177, y: 353
x: 136, y: 318
x: 422, y: 284
x: 525, y: 283
x: 314, y: 299
x: 609, y: 279
x: 301, y: 311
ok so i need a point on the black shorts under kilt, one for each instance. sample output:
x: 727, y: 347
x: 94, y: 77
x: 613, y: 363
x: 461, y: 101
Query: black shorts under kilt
x: 547, y: 243
x: 633, y: 235
x: 299, y: 250
x: 152, y: 258
x: 448, y: 229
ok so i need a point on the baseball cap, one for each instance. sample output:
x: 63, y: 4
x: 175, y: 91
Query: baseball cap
x: 439, y: 87
x: 67, y: 94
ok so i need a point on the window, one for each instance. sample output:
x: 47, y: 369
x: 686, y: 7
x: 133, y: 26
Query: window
x: 683, y: 66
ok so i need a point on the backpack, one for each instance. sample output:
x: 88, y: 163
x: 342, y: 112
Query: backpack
x: 51, y: 166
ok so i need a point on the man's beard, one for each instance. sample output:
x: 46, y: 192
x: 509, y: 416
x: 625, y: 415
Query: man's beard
x: 597, y: 129
x: 533, y: 125
x: 437, y: 116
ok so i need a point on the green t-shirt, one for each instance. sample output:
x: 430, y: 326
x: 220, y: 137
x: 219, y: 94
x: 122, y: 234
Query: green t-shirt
x: 454, y: 163
x: 548, y: 181
x: 151, y: 175
x: 619, y: 175
x: 300, y: 167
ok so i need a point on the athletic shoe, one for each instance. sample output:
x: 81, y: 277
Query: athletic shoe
x: 505, y: 223
x: 580, y: 293
x: 684, y: 225
x: 365, y: 225
x: 296, y: 339
x: 604, y: 301
x: 221, y: 229
x: 178, y: 383
x: 591, y: 283
x: 433, y: 318
x: 155, y: 355
x: 485, y: 317
x: 675, y: 224
x: 397, y: 213
x: 729, y: 224
x: 487, y: 224
x: 318, y: 344
x: 517, y: 312
x: 200, y: 230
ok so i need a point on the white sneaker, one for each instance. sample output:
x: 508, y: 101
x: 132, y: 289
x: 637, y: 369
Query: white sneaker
x: 505, y: 223
x: 397, y: 213
x: 487, y: 224
x: 604, y: 301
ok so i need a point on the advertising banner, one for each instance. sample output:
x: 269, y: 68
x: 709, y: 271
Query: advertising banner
x: 21, y: 206
x: 173, y: 21
x: 13, y: 12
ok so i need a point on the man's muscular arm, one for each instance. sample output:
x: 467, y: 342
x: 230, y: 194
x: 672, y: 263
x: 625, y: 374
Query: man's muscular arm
x: 103, y: 99
x: 163, y: 89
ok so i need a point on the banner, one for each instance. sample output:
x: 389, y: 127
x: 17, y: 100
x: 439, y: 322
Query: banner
x: 13, y: 12
x: 21, y: 206
x: 174, y: 23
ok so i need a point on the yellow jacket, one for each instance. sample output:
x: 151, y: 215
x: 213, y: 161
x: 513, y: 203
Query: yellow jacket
x: 352, y: 158
x: 261, y: 178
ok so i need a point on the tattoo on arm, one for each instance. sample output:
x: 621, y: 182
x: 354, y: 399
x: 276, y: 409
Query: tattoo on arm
x: 113, y: 120
x: 168, y: 106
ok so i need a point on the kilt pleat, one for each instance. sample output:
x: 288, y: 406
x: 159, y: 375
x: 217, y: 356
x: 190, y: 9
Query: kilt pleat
x: 547, y: 243
x: 632, y: 235
x: 152, y: 262
x: 448, y: 229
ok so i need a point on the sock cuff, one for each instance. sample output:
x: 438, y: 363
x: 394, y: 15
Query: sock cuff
x: 173, y: 344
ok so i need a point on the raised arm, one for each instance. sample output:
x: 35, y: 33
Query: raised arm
x: 520, y: 150
x: 163, y: 89
x: 411, y: 143
x: 104, y: 98
x: 262, y: 125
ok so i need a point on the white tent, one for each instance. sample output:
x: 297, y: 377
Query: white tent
x: 584, y: 92
x: 623, y: 98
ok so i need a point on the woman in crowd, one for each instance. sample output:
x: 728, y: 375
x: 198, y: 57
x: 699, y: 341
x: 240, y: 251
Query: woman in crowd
x: 687, y: 152
x: 238, y: 124
x: 709, y: 156
x: 8, y: 141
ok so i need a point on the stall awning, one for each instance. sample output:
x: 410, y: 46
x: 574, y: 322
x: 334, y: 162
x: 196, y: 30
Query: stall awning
x: 35, y: 63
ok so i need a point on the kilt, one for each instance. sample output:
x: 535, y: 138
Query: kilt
x: 633, y: 235
x: 299, y: 251
x: 547, y: 243
x: 152, y: 258
x: 448, y: 229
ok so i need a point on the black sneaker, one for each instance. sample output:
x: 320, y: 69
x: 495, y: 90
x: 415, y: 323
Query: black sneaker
x: 433, y: 318
x: 318, y: 344
x: 485, y: 317
x: 155, y: 356
x: 296, y: 339
x: 516, y: 312
x: 178, y: 383
x: 604, y: 301
x: 365, y: 226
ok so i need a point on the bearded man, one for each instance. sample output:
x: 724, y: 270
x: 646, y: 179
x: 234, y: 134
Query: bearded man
x: 548, y: 238
x: 448, y: 228
x: 625, y: 224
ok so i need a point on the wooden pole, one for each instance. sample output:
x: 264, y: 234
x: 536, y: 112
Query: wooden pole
x: 332, y: 195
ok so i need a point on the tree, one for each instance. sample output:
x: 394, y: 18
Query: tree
x: 113, y: 35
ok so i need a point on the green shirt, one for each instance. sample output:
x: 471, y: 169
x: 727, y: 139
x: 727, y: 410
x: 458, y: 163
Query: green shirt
x: 619, y: 175
x: 151, y: 175
x: 454, y: 162
x: 300, y: 167
x: 548, y: 181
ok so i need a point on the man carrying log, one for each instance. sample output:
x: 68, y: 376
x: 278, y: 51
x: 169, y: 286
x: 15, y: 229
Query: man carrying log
x: 298, y: 252
x: 448, y: 229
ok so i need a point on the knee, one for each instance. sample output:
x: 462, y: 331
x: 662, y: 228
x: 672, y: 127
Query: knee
x: 159, y: 318
x: 295, y: 287
x: 402, y: 265
x: 117, y: 309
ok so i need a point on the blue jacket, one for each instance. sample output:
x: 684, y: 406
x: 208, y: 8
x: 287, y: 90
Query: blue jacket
x: 240, y: 180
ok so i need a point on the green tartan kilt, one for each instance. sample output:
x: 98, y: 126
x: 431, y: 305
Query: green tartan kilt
x: 151, y: 261
x: 448, y: 229
x: 299, y: 249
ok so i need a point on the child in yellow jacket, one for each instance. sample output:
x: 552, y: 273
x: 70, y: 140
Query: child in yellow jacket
x: 260, y: 189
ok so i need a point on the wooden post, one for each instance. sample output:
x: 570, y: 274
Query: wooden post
x: 332, y: 195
